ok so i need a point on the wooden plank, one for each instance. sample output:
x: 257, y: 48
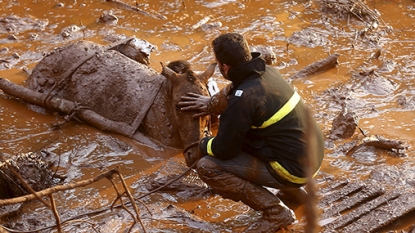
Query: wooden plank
x: 367, y: 193
x: 384, y: 215
x: 338, y: 194
x: 358, y: 213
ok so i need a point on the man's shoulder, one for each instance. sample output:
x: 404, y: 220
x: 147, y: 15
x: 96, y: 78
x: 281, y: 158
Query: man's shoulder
x: 248, y: 86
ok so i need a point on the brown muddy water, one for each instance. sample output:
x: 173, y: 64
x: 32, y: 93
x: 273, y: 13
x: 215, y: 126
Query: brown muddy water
x: 299, y: 32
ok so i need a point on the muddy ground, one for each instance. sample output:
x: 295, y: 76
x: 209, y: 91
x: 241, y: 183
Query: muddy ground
x: 372, y: 89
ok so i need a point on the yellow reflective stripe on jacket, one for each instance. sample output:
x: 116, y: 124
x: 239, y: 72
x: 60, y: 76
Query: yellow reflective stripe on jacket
x: 285, y: 110
x: 287, y: 175
x: 209, y: 147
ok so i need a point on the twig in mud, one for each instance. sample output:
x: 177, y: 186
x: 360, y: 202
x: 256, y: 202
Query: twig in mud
x: 57, y: 167
x: 296, y: 15
x: 83, y: 28
x: 93, y: 225
x: 137, y: 9
x: 23, y: 137
x: 170, y: 182
x: 48, y: 192
x: 55, y: 213
x: 119, y: 197
x: 81, y: 184
x: 69, y: 116
x: 318, y: 66
x: 47, y: 143
x: 127, y: 191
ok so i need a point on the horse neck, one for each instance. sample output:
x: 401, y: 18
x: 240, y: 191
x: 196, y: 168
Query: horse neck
x: 159, y: 122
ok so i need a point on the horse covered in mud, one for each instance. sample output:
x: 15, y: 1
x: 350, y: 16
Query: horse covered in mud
x: 116, y: 82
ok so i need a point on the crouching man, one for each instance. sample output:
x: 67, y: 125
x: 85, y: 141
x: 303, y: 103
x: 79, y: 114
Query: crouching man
x: 261, y: 138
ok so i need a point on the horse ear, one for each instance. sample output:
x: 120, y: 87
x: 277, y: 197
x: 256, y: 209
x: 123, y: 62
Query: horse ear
x: 167, y: 72
x: 208, y: 73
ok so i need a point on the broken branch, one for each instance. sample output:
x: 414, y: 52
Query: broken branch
x: 66, y: 106
x: 47, y: 192
x: 136, y: 9
x: 318, y: 66
x: 55, y: 213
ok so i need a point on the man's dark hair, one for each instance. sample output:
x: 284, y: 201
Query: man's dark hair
x: 231, y: 49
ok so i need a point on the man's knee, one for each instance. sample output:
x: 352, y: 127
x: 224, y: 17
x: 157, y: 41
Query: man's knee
x: 207, y: 168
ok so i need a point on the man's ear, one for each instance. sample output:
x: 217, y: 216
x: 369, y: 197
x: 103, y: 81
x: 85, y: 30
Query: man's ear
x: 226, y: 68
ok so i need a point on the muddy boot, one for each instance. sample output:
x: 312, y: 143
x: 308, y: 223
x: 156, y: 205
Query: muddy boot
x: 293, y: 198
x: 275, y: 213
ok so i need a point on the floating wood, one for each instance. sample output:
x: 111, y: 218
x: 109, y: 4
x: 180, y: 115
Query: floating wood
x: 316, y: 67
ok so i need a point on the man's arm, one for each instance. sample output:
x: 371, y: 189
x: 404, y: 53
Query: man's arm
x: 205, y: 105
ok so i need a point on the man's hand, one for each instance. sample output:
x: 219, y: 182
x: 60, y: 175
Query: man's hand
x: 195, y: 102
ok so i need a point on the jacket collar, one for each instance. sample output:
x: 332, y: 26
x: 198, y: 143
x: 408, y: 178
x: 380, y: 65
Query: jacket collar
x: 255, y: 67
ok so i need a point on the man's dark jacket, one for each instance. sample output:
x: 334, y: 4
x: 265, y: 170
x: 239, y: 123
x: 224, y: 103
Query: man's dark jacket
x: 258, y: 92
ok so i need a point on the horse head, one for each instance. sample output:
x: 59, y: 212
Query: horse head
x: 183, y: 80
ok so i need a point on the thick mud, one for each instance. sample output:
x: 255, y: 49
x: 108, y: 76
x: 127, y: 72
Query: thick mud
x: 369, y: 94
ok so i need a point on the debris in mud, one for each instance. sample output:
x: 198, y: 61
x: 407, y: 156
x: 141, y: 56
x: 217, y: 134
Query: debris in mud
x: 344, y: 125
x: 15, y: 24
x: 208, y: 27
x: 188, y: 186
x: 200, y: 23
x: 357, y: 8
x: 72, y: 31
x: 406, y: 102
x: 318, y: 66
x: 380, y: 86
x: 372, y: 83
x: 393, y: 176
x: 363, y: 206
x: 382, y: 143
x: 109, y: 175
x: 108, y: 18
x: 309, y: 37
x: 31, y: 167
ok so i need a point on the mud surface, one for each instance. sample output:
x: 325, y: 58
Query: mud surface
x: 370, y: 93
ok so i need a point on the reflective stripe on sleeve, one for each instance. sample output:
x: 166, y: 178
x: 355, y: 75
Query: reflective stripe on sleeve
x: 209, y: 147
x: 284, y: 111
